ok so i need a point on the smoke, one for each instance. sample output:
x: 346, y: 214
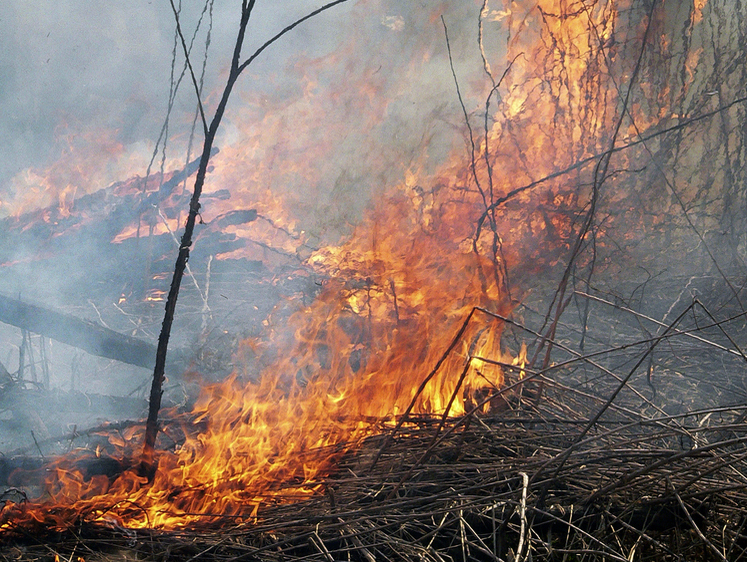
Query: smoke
x: 74, y: 68
x: 86, y: 88
x: 317, y: 129
x: 340, y: 108
x: 77, y: 66
x: 78, y: 79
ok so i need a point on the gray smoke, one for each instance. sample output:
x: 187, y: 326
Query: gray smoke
x: 84, y: 87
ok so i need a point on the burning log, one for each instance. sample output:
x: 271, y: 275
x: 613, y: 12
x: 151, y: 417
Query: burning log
x: 103, y: 214
x: 32, y: 471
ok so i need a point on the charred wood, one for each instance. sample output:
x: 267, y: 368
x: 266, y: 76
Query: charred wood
x: 32, y: 471
x: 106, y: 211
x: 92, y: 338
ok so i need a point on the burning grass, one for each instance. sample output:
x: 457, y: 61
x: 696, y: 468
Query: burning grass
x: 598, y: 467
x: 387, y: 420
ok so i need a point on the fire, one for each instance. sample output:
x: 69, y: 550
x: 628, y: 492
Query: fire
x: 154, y: 295
x: 395, y: 293
x: 392, y: 302
x: 87, y: 162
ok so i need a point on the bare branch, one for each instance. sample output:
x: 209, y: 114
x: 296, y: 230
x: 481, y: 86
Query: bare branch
x: 151, y: 428
x: 189, y: 64
x: 285, y: 30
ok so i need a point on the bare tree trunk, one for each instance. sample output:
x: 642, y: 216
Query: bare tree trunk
x: 237, y: 67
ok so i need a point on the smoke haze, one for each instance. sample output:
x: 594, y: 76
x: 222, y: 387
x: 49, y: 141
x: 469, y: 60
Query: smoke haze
x: 77, y: 75
x: 340, y: 108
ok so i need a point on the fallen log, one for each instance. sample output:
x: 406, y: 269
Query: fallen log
x: 99, y: 215
x: 25, y: 472
x: 92, y: 338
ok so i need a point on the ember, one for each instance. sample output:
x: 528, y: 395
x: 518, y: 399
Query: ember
x: 492, y: 355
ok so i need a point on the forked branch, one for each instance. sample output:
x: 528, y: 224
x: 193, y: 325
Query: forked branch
x: 237, y: 67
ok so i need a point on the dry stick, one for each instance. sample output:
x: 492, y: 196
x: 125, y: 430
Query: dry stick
x: 44, y: 358
x: 674, y: 333
x: 444, y: 417
x: 479, y: 405
x: 434, y: 532
x: 435, y: 370
x: 641, y: 534
x: 723, y: 489
x: 600, y: 175
x: 497, y: 248
x: 586, y: 358
x: 422, y: 386
x: 438, y: 517
x: 165, y: 221
x: 723, y: 462
x: 353, y: 536
x: 151, y: 427
x: 247, y: 6
x: 583, y: 162
x: 463, y: 534
x: 563, y: 457
x: 191, y: 70
x: 568, y: 529
x: 658, y: 421
x: 206, y: 313
x: 208, y: 4
x: 606, y: 549
x: 688, y: 333
x: 483, y: 14
x: 522, y: 515
x: 173, y: 90
x: 627, y: 478
x: 37, y: 444
x: 718, y: 323
x: 439, y: 438
x: 480, y: 545
x: 316, y: 541
x: 381, y: 509
x: 736, y: 536
x: 694, y: 525
x: 209, y: 548
x: 463, y: 420
x: 685, y: 213
x: 473, y: 146
x: 691, y: 333
x: 487, y: 199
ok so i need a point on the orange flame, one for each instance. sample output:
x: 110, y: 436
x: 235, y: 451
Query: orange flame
x: 394, y: 295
